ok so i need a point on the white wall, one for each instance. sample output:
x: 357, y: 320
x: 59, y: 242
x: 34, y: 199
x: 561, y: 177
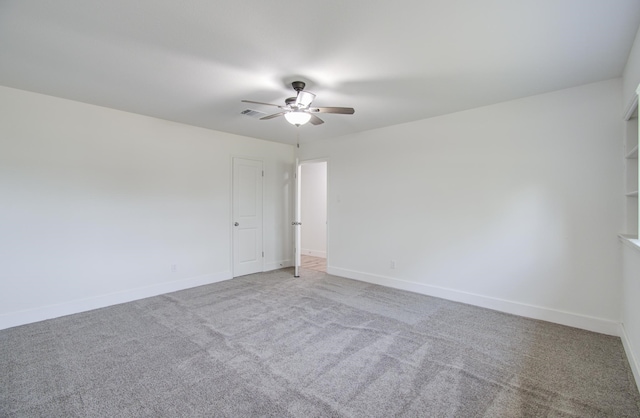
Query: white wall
x: 97, y: 204
x: 514, y: 206
x: 313, y: 205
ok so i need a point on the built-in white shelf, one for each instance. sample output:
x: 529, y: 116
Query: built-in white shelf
x: 630, y: 241
x: 627, y: 236
x: 630, y: 146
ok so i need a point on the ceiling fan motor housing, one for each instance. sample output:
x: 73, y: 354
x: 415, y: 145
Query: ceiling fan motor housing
x: 298, y: 85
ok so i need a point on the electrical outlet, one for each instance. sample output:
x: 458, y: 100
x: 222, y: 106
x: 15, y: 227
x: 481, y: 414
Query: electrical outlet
x: 392, y: 265
x: 174, y: 268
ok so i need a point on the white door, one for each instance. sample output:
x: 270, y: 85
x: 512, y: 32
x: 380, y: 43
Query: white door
x: 247, y: 217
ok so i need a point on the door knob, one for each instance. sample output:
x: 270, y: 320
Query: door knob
x: 236, y: 224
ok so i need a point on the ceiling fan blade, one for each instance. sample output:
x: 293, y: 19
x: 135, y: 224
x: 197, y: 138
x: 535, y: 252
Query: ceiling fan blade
x: 340, y: 110
x: 261, y: 103
x: 275, y: 115
x: 315, y: 120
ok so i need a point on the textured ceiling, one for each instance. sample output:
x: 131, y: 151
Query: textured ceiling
x: 394, y: 62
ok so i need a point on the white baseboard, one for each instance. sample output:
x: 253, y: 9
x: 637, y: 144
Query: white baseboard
x: 13, y: 319
x: 588, y: 323
x: 277, y: 265
x: 314, y: 253
x: 633, y: 361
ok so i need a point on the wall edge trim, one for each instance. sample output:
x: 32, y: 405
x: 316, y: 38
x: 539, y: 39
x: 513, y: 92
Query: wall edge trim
x: 589, y: 323
x: 628, y: 349
x: 277, y: 265
x: 313, y: 253
x: 28, y: 316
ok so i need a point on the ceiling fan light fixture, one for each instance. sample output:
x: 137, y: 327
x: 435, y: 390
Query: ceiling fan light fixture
x: 304, y: 98
x: 297, y: 118
x: 298, y: 111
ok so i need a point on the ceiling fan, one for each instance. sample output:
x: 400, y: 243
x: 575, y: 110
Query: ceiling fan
x: 298, y: 111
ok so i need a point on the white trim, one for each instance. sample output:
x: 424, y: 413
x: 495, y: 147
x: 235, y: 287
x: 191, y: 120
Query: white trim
x: 314, y: 160
x: 275, y: 265
x: 13, y: 319
x: 314, y: 253
x: 588, y: 323
x: 633, y: 362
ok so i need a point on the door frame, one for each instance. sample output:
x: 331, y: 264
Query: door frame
x: 231, y: 219
x: 298, y: 211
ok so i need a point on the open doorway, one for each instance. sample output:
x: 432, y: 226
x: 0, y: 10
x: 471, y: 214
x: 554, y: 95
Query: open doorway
x: 313, y: 215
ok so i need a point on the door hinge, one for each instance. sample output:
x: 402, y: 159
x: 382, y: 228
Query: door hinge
x: 263, y: 254
x: 262, y: 173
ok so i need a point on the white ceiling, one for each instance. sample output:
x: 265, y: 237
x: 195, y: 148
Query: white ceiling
x: 393, y: 61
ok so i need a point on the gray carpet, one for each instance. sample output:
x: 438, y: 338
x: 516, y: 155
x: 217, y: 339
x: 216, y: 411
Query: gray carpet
x: 273, y: 345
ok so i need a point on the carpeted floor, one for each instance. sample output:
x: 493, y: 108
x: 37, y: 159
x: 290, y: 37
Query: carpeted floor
x: 272, y: 345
